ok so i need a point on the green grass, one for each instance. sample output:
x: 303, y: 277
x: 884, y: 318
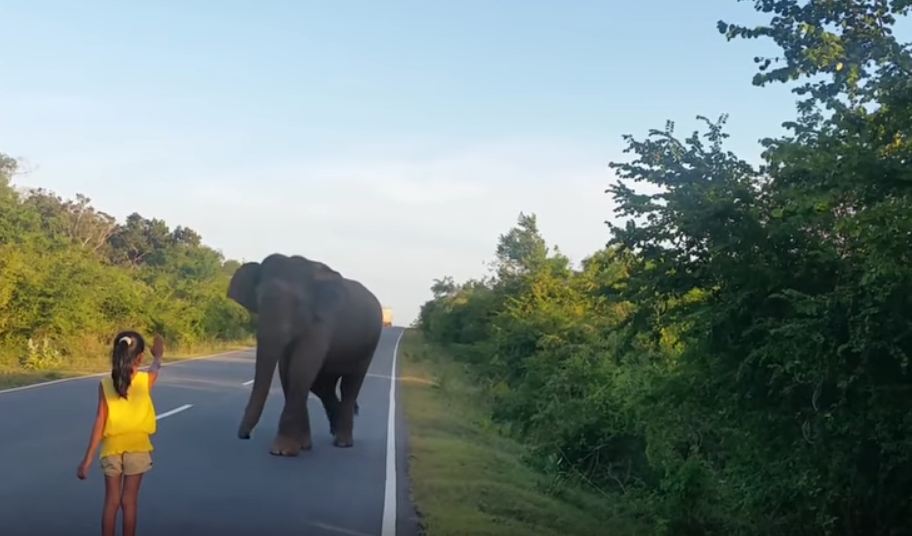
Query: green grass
x: 15, y: 378
x: 467, y: 478
x: 13, y: 375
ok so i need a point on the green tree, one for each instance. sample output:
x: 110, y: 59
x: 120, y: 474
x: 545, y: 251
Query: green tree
x: 72, y: 222
x: 140, y: 241
x: 800, y: 274
x: 522, y: 249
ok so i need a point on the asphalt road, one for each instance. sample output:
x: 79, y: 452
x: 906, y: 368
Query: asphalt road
x: 205, y: 480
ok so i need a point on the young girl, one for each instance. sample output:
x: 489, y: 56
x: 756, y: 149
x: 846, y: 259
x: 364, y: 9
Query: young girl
x: 124, y: 420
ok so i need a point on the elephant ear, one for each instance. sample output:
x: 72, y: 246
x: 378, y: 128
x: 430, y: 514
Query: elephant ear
x: 243, y: 285
x: 329, y: 291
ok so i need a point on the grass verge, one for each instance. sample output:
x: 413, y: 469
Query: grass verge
x: 13, y: 375
x: 467, y: 478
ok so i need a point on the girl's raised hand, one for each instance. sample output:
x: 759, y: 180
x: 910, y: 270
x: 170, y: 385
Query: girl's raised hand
x: 82, y: 471
x: 158, y: 347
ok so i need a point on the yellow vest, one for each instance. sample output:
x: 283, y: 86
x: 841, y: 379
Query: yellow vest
x: 131, y: 420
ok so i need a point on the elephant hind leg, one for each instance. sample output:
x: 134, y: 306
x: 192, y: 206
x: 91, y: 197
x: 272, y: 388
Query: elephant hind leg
x: 350, y: 386
x: 325, y: 389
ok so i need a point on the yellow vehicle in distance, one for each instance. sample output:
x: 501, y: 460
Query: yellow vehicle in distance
x: 387, y: 317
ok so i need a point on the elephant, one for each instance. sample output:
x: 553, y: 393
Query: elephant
x: 321, y: 329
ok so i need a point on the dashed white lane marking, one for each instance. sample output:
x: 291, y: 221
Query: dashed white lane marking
x: 339, y: 530
x: 389, y: 497
x: 174, y: 411
x: 248, y: 383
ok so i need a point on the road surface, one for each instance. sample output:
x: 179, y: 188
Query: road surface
x: 205, y: 480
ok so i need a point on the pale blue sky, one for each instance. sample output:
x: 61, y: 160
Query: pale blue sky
x: 392, y: 140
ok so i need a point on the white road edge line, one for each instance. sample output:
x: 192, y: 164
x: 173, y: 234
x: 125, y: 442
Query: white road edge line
x: 389, y: 496
x: 185, y: 407
x: 248, y: 382
x: 99, y: 374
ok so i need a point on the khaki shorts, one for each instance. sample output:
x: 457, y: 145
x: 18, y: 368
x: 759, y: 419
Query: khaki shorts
x: 128, y: 463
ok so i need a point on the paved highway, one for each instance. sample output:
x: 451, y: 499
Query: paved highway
x: 205, y: 480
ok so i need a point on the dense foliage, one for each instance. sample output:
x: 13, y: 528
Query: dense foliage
x: 71, y: 277
x: 736, y: 361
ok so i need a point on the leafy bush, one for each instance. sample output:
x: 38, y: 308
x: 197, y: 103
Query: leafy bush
x: 41, y: 356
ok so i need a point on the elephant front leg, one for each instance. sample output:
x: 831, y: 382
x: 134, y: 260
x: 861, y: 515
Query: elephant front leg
x: 294, y: 424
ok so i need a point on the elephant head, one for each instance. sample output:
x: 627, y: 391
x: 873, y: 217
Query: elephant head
x: 291, y: 296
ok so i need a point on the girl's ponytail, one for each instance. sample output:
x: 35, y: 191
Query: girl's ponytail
x: 127, y: 346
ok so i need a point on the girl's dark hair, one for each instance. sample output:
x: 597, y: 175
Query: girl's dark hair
x: 127, y: 346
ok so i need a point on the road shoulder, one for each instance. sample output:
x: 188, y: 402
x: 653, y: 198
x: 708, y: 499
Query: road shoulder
x: 467, y: 478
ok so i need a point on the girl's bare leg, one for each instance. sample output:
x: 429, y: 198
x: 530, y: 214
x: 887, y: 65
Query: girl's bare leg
x: 129, y: 502
x: 111, y: 505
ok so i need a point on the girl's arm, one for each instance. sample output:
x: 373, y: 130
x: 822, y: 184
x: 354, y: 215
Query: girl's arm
x: 101, y: 417
x: 158, y: 349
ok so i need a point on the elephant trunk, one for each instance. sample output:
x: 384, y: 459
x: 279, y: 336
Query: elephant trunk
x: 267, y: 356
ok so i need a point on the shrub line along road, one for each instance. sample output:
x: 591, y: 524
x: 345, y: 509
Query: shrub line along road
x: 204, y: 479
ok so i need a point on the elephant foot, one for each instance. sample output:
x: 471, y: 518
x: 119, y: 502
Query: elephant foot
x: 343, y: 443
x: 244, y: 433
x: 284, y: 454
x: 285, y: 446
